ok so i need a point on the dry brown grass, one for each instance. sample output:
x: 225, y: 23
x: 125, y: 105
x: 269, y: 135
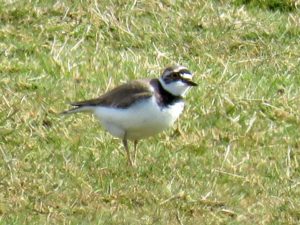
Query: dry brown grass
x: 236, y: 159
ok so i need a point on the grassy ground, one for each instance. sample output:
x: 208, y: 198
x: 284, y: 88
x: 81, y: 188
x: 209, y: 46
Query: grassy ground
x: 237, y: 158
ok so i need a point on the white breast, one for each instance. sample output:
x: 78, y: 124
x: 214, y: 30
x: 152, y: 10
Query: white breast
x: 141, y: 120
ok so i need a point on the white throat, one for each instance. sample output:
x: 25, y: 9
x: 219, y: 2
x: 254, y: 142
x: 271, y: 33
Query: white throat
x: 177, y: 88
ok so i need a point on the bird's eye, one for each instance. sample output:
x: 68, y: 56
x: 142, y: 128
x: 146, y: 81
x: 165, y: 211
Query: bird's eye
x: 175, y: 75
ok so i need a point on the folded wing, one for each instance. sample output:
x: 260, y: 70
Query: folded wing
x: 120, y: 97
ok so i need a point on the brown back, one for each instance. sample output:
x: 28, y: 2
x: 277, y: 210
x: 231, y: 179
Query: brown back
x: 121, y: 96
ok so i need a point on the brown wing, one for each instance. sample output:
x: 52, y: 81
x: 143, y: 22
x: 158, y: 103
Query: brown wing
x: 121, y: 96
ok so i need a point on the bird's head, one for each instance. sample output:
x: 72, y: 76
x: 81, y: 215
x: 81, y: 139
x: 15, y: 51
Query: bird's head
x: 177, y: 80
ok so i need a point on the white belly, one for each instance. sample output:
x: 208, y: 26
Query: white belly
x: 141, y: 120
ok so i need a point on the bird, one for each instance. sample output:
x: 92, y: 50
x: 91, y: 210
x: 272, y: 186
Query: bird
x: 140, y: 108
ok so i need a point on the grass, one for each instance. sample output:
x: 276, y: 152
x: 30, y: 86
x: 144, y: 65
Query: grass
x: 236, y: 160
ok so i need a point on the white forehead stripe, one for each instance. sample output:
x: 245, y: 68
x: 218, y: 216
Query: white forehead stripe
x: 187, y: 76
x: 179, y: 68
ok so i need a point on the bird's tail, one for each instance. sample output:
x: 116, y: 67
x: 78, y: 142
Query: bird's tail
x: 76, y: 109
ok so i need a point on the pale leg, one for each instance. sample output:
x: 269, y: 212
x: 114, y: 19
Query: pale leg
x: 135, y: 151
x: 125, y: 143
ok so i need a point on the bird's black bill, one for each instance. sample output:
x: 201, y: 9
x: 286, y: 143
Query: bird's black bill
x: 190, y: 83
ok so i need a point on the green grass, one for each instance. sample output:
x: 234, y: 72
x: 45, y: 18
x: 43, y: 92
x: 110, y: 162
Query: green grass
x: 237, y: 158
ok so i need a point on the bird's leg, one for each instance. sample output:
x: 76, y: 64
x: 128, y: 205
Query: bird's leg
x: 135, y: 151
x: 125, y: 143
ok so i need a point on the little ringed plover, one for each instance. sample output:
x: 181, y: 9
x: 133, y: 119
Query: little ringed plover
x: 140, y: 108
